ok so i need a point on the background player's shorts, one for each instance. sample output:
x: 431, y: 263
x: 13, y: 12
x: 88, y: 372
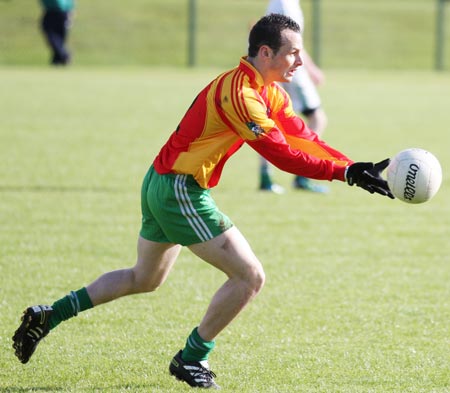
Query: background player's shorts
x: 304, y: 95
x: 175, y: 209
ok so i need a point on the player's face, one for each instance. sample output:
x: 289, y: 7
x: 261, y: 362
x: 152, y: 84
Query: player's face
x: 284, y: 64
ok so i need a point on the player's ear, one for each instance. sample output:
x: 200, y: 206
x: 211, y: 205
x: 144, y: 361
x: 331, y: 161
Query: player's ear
x: 265, y: 52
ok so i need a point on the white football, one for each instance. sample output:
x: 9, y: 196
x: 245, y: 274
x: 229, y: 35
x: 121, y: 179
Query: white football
x: 414, y: 175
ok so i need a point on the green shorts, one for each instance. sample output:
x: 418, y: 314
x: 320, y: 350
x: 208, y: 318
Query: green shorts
x: 175, y: 209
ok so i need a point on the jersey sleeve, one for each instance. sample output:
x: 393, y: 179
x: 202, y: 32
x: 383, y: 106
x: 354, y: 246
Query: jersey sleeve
x: 267, y: 122
x: 292, y: 147
x: 311, y: 158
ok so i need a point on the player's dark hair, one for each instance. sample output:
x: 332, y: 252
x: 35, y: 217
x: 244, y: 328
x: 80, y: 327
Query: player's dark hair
x: 267, y: 31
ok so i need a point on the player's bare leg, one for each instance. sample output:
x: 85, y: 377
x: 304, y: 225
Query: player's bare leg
x: 231, y: 253
x: 317, y: 121
x: 154, y: 262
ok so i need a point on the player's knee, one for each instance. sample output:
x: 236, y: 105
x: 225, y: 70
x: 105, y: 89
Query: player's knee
x: 255, y: 279
x: 149, y: 286
x: 323, y: 120
x: 142, y: 283
x: 320, y: 121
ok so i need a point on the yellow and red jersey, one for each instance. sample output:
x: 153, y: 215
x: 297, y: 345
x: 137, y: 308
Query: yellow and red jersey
x: 235, y: 108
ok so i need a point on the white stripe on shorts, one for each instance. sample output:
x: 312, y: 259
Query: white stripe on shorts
x: 187, y: 209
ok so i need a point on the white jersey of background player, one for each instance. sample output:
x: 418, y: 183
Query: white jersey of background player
x: 304, y: 95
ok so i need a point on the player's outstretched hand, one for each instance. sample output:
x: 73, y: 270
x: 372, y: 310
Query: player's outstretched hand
x: 367, y: 175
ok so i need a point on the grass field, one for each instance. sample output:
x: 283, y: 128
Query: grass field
x: 357, y: 293
x: 382, y: 34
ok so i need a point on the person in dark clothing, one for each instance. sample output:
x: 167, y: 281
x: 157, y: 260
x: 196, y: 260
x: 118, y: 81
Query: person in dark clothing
x: 55, y: 24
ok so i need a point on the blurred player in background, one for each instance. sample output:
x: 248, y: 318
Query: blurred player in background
x: 305, y: 100
x: 242, y: 105
x: 55, y: 24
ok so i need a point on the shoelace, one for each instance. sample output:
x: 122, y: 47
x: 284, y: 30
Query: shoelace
x: 202, y: 371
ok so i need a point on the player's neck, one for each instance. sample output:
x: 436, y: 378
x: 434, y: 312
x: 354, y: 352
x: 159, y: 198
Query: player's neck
x: 259, y: 66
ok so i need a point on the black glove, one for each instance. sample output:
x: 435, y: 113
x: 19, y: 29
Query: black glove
x: 367, y: 175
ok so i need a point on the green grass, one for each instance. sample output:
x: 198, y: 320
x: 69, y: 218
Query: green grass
x: 357, y: 293
x: 382, y: 34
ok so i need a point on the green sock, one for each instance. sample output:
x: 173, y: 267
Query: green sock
x: 69, y: 306
x: 265, y: 180
x: 196, y: 348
